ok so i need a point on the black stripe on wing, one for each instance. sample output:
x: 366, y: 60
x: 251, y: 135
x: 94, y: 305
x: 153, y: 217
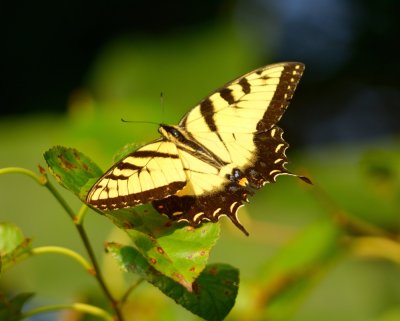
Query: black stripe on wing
x: 151, y: 153
x: 207, y: 111
x: 143, y: 197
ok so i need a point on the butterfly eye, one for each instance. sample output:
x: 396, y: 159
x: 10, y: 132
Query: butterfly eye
x: 175, y: 133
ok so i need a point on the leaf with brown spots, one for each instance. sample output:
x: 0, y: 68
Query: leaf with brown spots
x: 71, y: 168
x: 176, y: 250
x: 214, y: 291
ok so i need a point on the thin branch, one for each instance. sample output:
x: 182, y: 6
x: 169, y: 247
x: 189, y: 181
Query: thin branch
x: 98, y: 274
x: 81, y: 307
x: 24, y: 171
x: 125, y: 297
x: 59, y: 198
x: 78, y: 221
x: 64, y: 251
x: 81, y: 214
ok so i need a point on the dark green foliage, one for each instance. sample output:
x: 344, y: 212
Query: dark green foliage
x: 212, y: 295
x: 10, y: 309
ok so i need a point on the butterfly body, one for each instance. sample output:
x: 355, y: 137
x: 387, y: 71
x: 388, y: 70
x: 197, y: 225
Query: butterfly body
x: 221, y: 151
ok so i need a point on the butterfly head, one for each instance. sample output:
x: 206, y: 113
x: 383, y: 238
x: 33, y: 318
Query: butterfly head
x: 172, y: 133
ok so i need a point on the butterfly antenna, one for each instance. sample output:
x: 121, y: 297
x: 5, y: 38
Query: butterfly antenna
x: 162, y: 105
x: 139, y: 122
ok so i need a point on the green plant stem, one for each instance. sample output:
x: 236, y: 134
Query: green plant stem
x: 64, y: 251
x: 59, y: 198
x: 78, y: 221
x: 81, y: 307
x: 97, y: 271
x: 24, y: 171
x: 81, y: 214
x: 129, y: 291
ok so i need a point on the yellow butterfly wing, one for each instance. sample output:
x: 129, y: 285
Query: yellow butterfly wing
x: 152, y: 172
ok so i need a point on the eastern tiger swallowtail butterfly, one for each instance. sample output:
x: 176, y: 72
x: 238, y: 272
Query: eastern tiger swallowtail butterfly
x: 222, y: 150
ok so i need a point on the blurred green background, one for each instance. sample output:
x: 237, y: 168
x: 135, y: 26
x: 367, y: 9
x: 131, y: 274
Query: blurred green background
x: 71, y: 70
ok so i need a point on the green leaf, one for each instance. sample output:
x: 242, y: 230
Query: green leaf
x: 177, y: 250
x: 71, y: 168
x: 10, y: 237
x: 13, y: 245
x: 10, y: 310
x: 124, y: 151
x: 213, y: 294
x: 288, y: 277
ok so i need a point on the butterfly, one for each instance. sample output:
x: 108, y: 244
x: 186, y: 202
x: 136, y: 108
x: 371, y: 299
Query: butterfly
x: 222, y: 150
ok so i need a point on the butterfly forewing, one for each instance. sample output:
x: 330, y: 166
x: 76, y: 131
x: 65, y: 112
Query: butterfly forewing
x: 243, y: 107
x: 255, y: 101
x: 154, y: 171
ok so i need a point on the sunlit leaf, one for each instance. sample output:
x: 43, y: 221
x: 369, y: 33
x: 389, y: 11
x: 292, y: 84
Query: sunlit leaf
x: 10, y: 237
x: 178, y: 250
x: 71, y: 168
x: 10, y: 309
x: 213, y: 294
x: 13, y: 245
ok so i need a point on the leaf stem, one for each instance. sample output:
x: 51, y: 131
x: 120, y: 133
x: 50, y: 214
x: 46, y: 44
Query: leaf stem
x: 82, y: 307
x: 97, y: 272
x: 64, y: 251
x: 81, y: 214
x: 59, y: 198
x: 24, y: 171
x: 129, y: 291
x: 78, y: 222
